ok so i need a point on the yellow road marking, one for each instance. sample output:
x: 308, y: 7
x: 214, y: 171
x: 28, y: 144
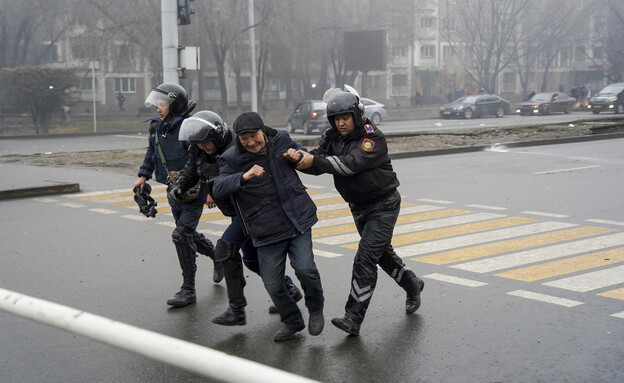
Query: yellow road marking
x: 341, y: 229
x: 511, y: 245
x: 444, y: 232
x: 615, y: 294
x: 210, y: 216
x: 565, y: 266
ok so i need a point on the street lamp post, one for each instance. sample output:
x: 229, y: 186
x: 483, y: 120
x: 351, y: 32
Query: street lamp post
x: 93, y: 65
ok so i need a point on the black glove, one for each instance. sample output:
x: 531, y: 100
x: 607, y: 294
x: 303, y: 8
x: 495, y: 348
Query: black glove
x: 175, y: 194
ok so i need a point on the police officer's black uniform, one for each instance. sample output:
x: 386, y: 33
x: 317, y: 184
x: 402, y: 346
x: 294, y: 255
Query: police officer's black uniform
x: 363, y: 175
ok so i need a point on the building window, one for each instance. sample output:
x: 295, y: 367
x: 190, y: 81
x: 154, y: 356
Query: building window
x: 399, y: 80
x: 399, y: 51
x: 427, y: 51
x: 579, y: 54
x: 82, y: 52
x: 598, y: 53
x: 374, y: 82
x: 87, y: 84
x: 125, y: 85
x: 49, y: 53
x: 447, y: 52
x: 448, y: 24
x: 427, y: 22
x: 212, y: 83
x: 564, y: 56
x: 509, y: 81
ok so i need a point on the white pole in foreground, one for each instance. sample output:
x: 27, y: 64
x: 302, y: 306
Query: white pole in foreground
x: 201, y: 360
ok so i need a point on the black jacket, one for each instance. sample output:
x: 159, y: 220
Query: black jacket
x: 202, y: 167
x: 359, y: 162
x: 276, y: 206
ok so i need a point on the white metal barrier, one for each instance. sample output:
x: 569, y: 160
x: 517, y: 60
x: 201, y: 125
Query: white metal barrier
x: 201, y: 360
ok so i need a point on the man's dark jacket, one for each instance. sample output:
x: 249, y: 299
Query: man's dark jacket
x: 276, y: 206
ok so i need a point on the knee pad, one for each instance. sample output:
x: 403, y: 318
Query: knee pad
x: 178, y: 236
x: 224, y: 251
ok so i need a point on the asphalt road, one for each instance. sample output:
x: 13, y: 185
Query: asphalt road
x: 521, y: 251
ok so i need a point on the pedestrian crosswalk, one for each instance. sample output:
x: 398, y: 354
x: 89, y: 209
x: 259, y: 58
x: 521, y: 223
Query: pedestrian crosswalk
x: 464, y: 243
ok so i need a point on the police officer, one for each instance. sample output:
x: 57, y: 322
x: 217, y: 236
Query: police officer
x: 166, y: 153
x: 355, y: 152
x: 209, y: 137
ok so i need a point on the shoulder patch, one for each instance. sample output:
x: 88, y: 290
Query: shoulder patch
x: 369, y: 128
x: 368, y: 144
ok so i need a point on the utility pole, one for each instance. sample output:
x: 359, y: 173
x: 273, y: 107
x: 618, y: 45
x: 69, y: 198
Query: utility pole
x: 252, y: 47
x: 169, y: 20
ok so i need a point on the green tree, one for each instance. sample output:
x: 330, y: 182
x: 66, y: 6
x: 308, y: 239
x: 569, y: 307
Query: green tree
x: 42, y: 90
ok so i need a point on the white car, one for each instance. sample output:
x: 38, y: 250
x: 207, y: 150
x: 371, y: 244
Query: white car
x: 375, y: 111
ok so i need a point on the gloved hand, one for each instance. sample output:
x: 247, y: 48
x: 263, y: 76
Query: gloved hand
x: 175, y: 194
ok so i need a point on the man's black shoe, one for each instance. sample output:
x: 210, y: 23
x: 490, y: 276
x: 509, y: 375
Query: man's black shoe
x: 182, y: 298
x: 347, y: 324
x: 316, y: 323
x: 286, y: 333
x: 233, y: 316
x: 295, y: 293
x: 412, y: 303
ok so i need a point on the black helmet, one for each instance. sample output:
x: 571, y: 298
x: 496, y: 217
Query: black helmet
x: 345, y: 102
x: 204, y: 126
x: 169, y: 94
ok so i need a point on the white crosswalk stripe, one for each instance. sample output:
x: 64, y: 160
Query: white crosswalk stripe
x: 591, y: 281
x: 542, y: 254
x: 414, y: 227
x: 477, y: 238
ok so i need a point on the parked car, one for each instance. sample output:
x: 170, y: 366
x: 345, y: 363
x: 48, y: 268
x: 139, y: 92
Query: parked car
x: 546, y: 103
x: 375, y: 111
x: 308, y: 116
x: 477, y: 105
x: 607, y: 99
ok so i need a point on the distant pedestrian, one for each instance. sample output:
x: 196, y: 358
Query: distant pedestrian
x: 120, y: 101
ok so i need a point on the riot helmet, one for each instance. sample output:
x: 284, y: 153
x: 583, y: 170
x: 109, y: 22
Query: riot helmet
x: 205, y: 125
x: 345, y: 102
x: 169, y: 94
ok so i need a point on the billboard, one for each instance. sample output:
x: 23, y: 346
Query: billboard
x: 365, y: 50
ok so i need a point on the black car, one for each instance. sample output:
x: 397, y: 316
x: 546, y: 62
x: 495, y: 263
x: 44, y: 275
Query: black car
x: 609, y: 99
x: 477, y: 105
x: 308, y: 116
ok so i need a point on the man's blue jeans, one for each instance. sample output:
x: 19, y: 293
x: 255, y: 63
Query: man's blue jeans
x: 272, y: 259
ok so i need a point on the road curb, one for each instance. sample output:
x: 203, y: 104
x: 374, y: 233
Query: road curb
x: 36, y: 191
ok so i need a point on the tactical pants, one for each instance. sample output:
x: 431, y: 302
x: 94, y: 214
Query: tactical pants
x: 186, y: 217
x: 375, y: 224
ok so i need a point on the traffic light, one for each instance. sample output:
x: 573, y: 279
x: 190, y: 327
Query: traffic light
x: 184, y: 12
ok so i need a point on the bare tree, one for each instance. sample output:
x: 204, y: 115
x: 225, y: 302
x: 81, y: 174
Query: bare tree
x: 135, y: 23
x: 485, y: 36
x: 223, y: 23
x: 540, y: 38
x: 614, y: 43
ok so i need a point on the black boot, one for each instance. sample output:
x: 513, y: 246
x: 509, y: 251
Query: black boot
x: 347, y: 324
x: 295, y: 294
x: 186, y: 295
x: 413, y: 286
x: 233, y: 316
x: 205, y: 247
x: 186, y: 256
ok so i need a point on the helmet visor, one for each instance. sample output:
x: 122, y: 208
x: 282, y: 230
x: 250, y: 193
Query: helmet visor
x: 195, y: 130
x: 158, y: 99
